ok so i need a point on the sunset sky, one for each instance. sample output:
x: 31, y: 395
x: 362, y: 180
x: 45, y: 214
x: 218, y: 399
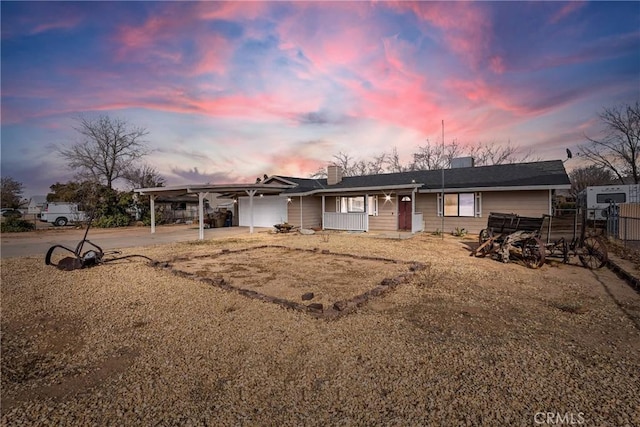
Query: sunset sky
x: 233, y: 90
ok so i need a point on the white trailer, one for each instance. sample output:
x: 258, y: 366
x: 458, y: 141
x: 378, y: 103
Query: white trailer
x: 598, y: 200
x: 61, y: 214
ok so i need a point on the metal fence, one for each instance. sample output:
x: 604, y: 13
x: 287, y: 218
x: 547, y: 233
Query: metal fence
x: 621, y: 224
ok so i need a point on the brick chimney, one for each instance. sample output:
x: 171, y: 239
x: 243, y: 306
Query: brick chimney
x: 334, y: 174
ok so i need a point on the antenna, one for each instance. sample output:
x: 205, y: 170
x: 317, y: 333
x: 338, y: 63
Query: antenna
x: 442, y: 194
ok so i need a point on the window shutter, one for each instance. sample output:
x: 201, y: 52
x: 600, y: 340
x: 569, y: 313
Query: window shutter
x: 478, y: 204
x: 439, y: 208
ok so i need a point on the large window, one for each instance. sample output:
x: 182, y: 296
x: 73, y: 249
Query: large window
x: 460, y: 204
x: 356, y: 204
x: 611, y: 197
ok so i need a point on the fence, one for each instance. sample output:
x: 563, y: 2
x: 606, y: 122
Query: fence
x: 622, y: 224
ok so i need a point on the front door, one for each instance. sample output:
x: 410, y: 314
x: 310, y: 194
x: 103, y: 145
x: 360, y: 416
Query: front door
x: 404, y: 213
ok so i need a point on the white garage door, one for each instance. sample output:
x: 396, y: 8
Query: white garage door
x: 267, y: 211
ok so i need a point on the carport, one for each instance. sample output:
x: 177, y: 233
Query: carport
x: 202, y: 191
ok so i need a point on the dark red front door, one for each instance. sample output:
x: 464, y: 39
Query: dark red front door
x: 404, y: 213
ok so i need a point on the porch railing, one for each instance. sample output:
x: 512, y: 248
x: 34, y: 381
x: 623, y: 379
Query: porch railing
x: 416, y: 222
x: 346, y: 221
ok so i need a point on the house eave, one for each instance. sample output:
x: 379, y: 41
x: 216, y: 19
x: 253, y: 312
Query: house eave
x: 502, y: 188
x: 355, y: 189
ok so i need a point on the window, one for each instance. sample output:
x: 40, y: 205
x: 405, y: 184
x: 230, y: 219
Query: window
x: 460, y: 204
x: 611, y: 197
x: 356, y: 204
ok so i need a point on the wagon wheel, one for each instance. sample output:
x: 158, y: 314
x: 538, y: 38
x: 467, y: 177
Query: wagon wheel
x: 533, y: 252
x: 593, y: 253
x: 484, y: 247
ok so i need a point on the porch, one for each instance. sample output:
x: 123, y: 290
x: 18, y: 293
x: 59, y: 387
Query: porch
x: 359, y: 221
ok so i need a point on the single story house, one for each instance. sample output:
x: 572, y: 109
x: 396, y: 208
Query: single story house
x: 461, y: 197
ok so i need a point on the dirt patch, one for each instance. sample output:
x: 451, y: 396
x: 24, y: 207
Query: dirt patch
x: 38, y: 351
x: 474, y: 342
x: 314, y: 281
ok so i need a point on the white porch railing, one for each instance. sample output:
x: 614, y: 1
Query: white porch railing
x: 346, y: 221
x: 416, y: 222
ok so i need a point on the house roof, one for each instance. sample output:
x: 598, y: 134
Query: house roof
x: 38, y: 200
x: 533, y: 175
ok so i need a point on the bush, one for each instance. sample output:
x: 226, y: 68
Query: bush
x: 16, y: 225
x: 111, y: 221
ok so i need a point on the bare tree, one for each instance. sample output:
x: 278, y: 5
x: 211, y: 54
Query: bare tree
x: 143, y: 176
x: 491, y: 153
x: 582, y: 178
x: 393, y: 162
x: 108, y: 149
x: 435, y: 156
x: 10, y: 192
x: 618, y: 148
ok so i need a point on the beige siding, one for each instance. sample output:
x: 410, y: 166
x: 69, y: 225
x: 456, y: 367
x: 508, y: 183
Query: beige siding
x: 386, y: 220
x: 533, y: 203
x: 311, y: 212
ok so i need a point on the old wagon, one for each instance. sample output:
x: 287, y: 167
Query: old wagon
x: 533, y: 240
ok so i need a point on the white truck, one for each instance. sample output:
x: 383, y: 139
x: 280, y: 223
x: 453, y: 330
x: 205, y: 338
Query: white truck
x: 61, y: 214
x: 599, y: 200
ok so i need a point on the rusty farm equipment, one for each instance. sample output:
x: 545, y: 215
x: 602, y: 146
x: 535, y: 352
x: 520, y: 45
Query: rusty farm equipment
x: 84, y: 258
x: 510, y: 235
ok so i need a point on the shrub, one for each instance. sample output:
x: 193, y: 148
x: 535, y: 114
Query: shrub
x: 15, y: 225
x: 111, y: 221
x: 459, y: 232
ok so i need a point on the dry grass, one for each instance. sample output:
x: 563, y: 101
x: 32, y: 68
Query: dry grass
x: 474, y: 342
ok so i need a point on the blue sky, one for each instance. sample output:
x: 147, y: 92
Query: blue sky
x: 233, y: 90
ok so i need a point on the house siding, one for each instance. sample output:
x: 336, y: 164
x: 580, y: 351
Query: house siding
x: 533, y: 203
x: 311, y: 212
x: 387, y: 219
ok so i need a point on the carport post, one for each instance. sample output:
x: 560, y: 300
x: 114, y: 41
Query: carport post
x: 201, y: 197
x: 251, y: 193
x: 152, y: 198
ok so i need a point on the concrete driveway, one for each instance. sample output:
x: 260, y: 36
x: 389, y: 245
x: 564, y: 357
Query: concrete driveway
x: 37, y: 243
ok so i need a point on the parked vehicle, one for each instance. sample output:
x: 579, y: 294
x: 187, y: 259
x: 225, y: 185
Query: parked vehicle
x: 602, y: 201
x: 11, y: 213
x: 61, y: 214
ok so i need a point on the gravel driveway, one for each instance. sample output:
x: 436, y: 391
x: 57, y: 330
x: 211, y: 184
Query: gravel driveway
x: 474, y: 342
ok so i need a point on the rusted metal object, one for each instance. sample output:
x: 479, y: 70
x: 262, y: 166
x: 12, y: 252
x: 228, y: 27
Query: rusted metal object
x: 83, y: 259
x: 510, y: 234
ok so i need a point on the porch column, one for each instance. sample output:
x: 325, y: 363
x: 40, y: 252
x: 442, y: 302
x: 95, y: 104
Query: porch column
x: 251, y: 193
x: 301, y: 212
x: 366, y: 212
x: 201, y: 197
x: 413, y: 203
x: 323, y: 211
x: 152, y: 199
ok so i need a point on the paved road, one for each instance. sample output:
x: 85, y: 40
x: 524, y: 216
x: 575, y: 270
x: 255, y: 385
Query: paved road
x: 37, y: 243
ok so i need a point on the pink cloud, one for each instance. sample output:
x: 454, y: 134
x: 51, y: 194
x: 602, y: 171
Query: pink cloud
x: 566, y: 10
x: 466, y: 27
x: 57, y: 23
x: 344, y: 40
x: 157, y: 39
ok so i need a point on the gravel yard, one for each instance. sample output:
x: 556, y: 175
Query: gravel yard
x: 469, y: 341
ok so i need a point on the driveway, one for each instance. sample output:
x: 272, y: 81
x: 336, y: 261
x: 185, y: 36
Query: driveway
x: 37, y: 243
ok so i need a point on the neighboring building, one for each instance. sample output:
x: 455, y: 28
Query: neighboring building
x: 407, y: 201
x: 35, y: 204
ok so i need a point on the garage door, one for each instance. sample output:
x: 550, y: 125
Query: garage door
x: 267, y: 211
